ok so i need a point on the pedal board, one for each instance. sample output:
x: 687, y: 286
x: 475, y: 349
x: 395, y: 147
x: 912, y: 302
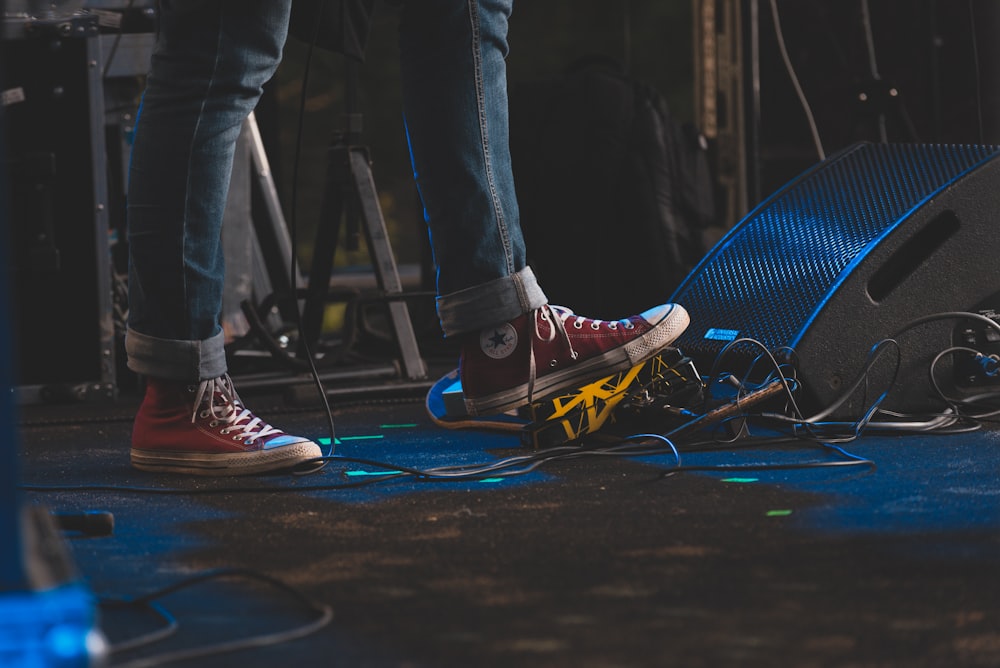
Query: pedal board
x: 669, y: 379
x: 561, y: 418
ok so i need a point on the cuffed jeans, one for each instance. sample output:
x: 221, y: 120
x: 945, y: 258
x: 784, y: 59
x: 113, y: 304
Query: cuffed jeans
x: 211, y: 59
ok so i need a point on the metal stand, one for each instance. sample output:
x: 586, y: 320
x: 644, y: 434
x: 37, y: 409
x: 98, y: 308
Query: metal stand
x: 257, y: 244
x: 351, y: 194
x: 276, y: 249
x: 58, y: 199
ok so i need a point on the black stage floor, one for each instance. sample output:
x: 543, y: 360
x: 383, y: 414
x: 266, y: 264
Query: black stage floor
x: 586, y: 562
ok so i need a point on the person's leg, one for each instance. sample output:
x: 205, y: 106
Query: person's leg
x: 514, y: 346
x: 211, y: 59
x: 455, y: 103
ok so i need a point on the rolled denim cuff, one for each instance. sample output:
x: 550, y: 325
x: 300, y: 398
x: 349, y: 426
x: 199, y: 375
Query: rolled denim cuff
x: 176, y: 360
x: 491, y: 303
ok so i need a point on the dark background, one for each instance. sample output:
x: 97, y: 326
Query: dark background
x: 930, y: 78
x: 653, y: 39
x: 938, y: 57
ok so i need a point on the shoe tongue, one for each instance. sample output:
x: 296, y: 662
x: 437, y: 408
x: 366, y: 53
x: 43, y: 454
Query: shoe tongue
x: 560, y: 310
x: 222, y: 395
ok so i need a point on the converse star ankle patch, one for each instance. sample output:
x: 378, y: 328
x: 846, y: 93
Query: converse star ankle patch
x: 498, y: 342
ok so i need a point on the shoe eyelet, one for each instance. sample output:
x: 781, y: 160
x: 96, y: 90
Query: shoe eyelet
x: 595, y: 326
x: 237, y: 437
x: 578, y: 323
x: 613, y: 325
x: 213, y: 423
x: 629, y: 325
x: 553, y: 363
x: 204, y: 414
x: 574, y: 355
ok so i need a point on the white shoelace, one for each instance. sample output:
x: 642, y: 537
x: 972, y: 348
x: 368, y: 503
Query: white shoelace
x: 558, y: 327
x: 563, y: 314
x: 237, y: 418
x: 558, y: 324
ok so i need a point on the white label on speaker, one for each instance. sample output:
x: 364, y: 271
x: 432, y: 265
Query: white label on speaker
x: 12, y: 96
x: 715, y: 334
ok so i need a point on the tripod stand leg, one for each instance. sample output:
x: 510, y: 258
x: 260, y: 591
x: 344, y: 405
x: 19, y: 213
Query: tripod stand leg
x: 386, y: 270
x: 318, y: 284
x: 350, y: 165
x: 277, y: 232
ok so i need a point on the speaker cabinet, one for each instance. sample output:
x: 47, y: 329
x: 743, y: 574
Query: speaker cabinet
x: 852, y: 252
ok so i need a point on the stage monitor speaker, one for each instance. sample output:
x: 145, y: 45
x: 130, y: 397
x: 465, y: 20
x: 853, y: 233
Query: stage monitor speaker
x: 852, y: 252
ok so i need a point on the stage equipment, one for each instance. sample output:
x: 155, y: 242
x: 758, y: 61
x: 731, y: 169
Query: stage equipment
x: 768, y: 74
x: 50, y: 617
x: 351, y: 198
x: 850, y: 253
x: 47, y: 615
x: 61, y: 270
x: 653, y: 392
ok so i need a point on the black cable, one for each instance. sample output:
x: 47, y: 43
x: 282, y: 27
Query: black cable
x: 851, y: 460
x: 794, y: 79
x: 294, y: 241
x: 958, y: 403
x: 508, y: 467
x: 170, y: 627
x: 873, y: 355
x: 947, y: 315
x: 950, y: 421
x: 715, y: 370
x: 323, y: 612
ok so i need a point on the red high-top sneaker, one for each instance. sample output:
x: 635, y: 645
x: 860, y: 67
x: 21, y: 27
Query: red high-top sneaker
x: 205, y: 429
x: 552, y: 349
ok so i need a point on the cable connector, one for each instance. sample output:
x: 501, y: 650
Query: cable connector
x: 989, y: 363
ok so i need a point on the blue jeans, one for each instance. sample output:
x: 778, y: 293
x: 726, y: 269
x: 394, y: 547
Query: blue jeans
x: 211, y: 59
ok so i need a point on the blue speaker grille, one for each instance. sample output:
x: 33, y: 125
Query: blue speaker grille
x: 766, y: 277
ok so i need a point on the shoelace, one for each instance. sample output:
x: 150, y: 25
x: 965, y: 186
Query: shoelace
x: 247, y: 426
x: 559, y: 324
x: 562, y: 314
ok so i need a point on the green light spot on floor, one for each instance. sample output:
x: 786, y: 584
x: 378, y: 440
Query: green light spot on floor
x: 398, y: 426
x: 740, y: 479
x: 779, y: 513
x: 326, y: 441
x: 491, y: 480
x: 356, y: 473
